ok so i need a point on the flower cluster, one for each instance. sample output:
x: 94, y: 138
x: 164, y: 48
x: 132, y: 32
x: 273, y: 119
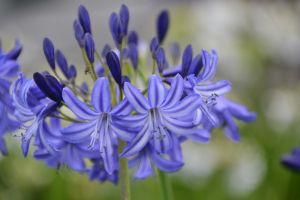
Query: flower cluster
x: 178, y: 103
x: 9, y: 67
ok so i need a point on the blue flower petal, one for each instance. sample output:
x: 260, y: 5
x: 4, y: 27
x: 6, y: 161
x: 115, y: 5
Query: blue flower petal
x: 75, y: 133
x: 179, y: 127
x: 101, y: 98
x: 211, y: 116
x: 175, y: 93
x: 156, y: 91
x: 79, y: 108
x: 123, y: 108
x: 137, y: 143
x: 220, y: 87
x: 164, y: 164
x: 185, y: 107
x: 136, y: 99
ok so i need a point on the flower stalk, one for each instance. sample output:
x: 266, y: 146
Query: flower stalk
x: 165, y: 185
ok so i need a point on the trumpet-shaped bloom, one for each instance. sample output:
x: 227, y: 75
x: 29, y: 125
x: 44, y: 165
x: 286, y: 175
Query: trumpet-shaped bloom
x: 98, y: 124
x: 67, y: 153
x: 30, y: 109
x: 159, y: 114
x: 195, y: 83
x: 292, y: 160
x: 147, y: 158
x: 226, y: 111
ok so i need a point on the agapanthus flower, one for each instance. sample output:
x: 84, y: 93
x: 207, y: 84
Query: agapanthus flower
x: 226, y: 111
x: 29, y: 109
x: 9, y: 67
x: 147, y: 158
x: 98, y: 171
x: 68, y: 154
x: 194, y: 83
x: 292, y: 160
x: 98, y: 124
x: 159, y: 114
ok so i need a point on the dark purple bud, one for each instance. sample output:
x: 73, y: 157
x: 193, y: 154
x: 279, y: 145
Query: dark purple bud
x: 62, y: 63
x: 89, y: 47
x: 84, y: 19
x: 15, y: 52
x: 125, y: 53
x: 105, y: 50
x: 133, y: 55
x: 79, y: 33
x: 162, y: 25
x: 111, y: 20
x: 49, y: 86
x: 132, y: 37
x: 113, y: 63
x: 72, y: 72
x: 196, y: 65
x: 186, y: 60
x: 125, y: 79
x: 85, y: 88
x: 175, y: 51
x: 49, y: 52
x: 160, y: 59
x: 124, y: 14
x: 154, y: 44
x: 119, y: 28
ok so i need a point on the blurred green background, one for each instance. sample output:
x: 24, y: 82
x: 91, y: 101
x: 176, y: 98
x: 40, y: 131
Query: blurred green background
x: 258, y: 43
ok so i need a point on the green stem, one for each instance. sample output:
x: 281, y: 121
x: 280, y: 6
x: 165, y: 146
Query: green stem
x: 166, y: 186
x: 94, y: 72
x: 100, y: 59
x: 124, y: 176
x: 153, y: 68
x: 87, y: 63
x: 69, y: 118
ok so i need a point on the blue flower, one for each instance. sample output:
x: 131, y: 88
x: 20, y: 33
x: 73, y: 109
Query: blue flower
x: 67, y: 154
x: 292, y: 160
x: 9, y: 67
x: 195, y: 83
x: 30, y: 109
x: 226, y: 111
x: 98, y: 171
x: 147, y: 158
x: 98, y: 124
x: 159, y: 114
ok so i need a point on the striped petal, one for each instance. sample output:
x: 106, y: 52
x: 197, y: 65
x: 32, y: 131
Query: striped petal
x: 79, y: 108
x: 100, y: 97
x: 220, y: 88
x: 175, y: 92
x: 75, y: 133
x: 156, y: 91
x: 179, y: 127
x: 136, y: 98
x: 137, y: 143
x: 185, y: 107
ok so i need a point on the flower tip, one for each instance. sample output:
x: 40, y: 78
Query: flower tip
x: 125, y: 79
x: 105, y: 50
x: 160, y: 59
x: 62, y: 62
x: 113, y: 63
x: 79, y: 33
x: 118, y: 27
x: 84, y: 19
x: 133, y: 55
x: 162, y: 25
x: 132, y: 37
x: 89, y: 46
x: 124, y: 14
x: 154, y: 44
x: 49, y: 52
